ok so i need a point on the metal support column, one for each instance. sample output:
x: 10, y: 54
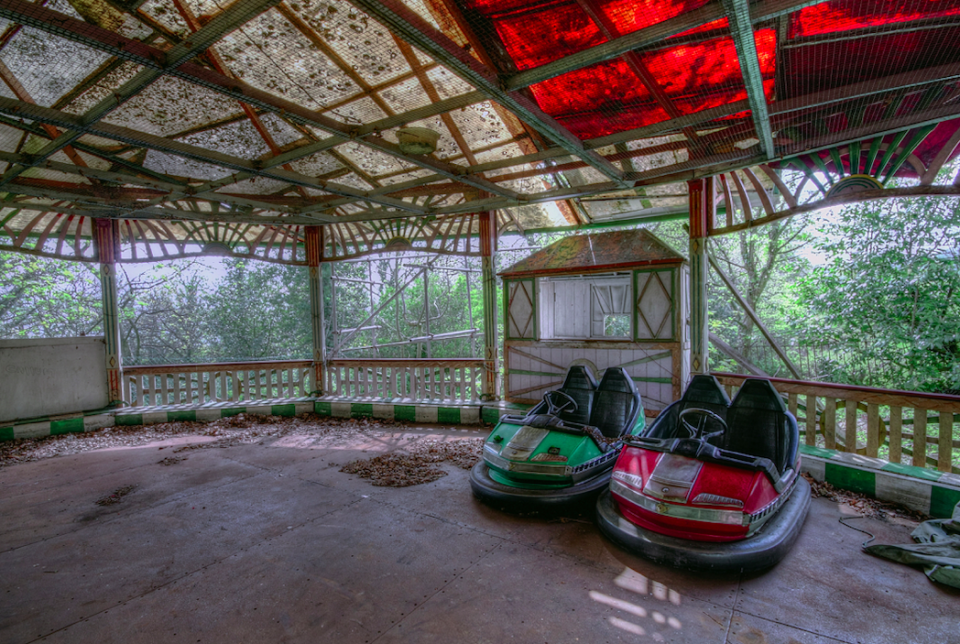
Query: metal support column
x: 488, y: 246
x: 107, y: 242
x: 314, y: 244
x: 702, y: 208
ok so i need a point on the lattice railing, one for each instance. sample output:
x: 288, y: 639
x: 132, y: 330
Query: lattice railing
x: 205, y: 383
x: 879, y: 423
x: 428, y: 380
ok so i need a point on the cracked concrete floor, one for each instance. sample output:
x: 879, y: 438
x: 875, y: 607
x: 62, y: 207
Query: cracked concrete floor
x: 271, y: 543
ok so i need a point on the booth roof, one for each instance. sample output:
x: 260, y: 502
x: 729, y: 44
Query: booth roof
x: 615, y: 250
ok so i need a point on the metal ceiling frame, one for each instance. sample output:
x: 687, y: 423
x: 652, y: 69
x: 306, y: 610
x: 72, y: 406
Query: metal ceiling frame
x: 339, y: 202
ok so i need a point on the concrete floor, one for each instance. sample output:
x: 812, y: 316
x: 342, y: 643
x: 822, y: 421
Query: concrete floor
x: 271, y: 543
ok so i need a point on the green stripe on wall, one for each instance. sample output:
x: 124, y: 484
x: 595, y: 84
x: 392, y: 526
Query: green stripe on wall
x: 910, y: 470
x: 811, y: 450
x: 323, y: 408
x: 521, y: 372
x: 283, y: 410
x: 232, y: 411
x: 129, y: 419
x: 68, y: 426
x: 6, y: 433
x: 942, y: 501
x: 851, y: 478
x: 181, y: 416
x: 663, y: 381
x: 404, y: 412
x: 448, y: 415
x: 654, y: 357
x: 360, y: 410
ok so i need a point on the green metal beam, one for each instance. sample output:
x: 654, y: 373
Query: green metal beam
x: 738, y: 13
x: 71, y: 122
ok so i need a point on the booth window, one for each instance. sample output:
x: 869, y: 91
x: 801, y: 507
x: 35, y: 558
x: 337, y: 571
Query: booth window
x: 586, y: 307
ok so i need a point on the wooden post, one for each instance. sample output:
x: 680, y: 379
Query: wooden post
x: 701, y: 217
x: 314, y: 248
x: 919, y: 437
x: 488, y: 246
x: 106, y: 239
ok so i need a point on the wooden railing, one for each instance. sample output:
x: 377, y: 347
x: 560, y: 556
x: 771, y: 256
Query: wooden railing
x: 879, y: 423
x: 429, y: 380
x: 203, y: 383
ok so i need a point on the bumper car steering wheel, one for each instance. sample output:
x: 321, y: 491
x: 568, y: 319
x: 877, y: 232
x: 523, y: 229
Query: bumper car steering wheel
x: 566, y: 402
x: 696, y: 428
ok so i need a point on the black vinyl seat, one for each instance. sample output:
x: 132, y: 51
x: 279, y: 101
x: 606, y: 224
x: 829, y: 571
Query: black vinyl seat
x: 758, y: 424
x: 616, y: 404
x: 703, y: 392
x: 581, y: 385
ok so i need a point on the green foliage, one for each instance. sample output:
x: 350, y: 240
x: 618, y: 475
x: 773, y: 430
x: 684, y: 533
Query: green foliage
x: 891, y: 288
x: 47, y: 298
x: 260, y: 311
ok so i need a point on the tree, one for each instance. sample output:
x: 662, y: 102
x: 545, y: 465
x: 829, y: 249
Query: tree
x: 260, y: 311
x: 890, y: 288
x: 48, y: 298
x: 163, y: 315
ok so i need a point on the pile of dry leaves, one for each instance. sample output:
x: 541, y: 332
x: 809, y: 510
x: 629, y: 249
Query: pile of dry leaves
x: 866, y: 506
x: 419, y: 462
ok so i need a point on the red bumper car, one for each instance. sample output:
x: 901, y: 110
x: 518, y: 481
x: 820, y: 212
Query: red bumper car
x: 711, y: 485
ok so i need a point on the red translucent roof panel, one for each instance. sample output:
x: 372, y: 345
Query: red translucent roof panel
x: 631, y: 15
x: 533, y: 39
x: 933, y: 143
x: 536, y: 37
x: 815, y: 68
x: 844, y: 15
x: 707, y: 74
x: 501, y: 7
x: 598, y: 100
x: 722, y: 23
x: 608, y: 97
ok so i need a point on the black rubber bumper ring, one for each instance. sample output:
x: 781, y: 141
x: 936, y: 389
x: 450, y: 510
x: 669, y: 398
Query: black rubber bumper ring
x: 497, y: 494
x: 763, y: 550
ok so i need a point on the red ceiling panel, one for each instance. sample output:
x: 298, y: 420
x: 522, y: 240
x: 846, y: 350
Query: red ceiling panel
x: 533, y: 39
x: 814, y: 68
x: 844, y: 15
x: 631, y: 15
x: 609, y: 97
x: 598, y: 100
x: 703, y: 75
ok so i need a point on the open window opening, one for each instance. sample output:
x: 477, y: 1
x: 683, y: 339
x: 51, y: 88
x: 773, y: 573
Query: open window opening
x: 586, y: 307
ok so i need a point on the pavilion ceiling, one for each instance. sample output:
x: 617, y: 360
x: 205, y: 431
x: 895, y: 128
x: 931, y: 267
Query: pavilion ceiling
x: 202, y: 122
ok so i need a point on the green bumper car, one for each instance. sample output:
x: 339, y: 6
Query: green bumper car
x: 562, y: 451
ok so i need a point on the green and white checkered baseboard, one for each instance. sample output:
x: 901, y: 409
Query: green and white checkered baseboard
x: 400, y: 409
x: 928, y: 491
